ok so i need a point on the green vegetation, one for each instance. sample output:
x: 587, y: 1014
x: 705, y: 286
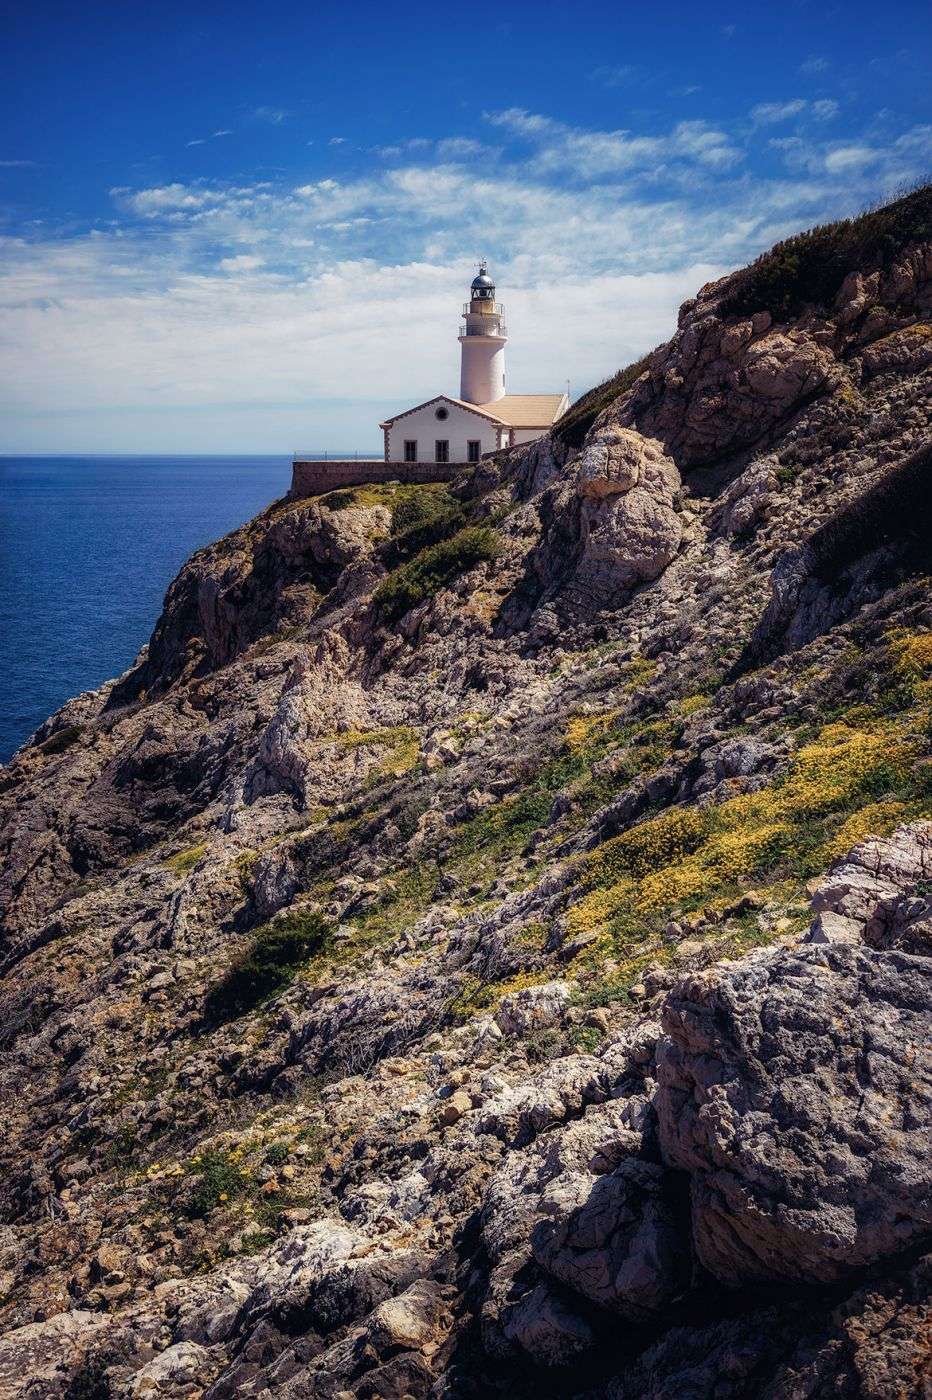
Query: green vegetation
x: 810, y: 268
x: 402, y: 747
x: 572, y: 428
x: 859, y: 775
x: 270, y: 962
x: 433, y: 569
x: 424, y: 506
x: 184, y: 861
x: 220, y: 1179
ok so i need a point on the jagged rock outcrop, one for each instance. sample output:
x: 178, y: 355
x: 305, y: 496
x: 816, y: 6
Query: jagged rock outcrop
x: 482, y: 947
x: 796, y: 1175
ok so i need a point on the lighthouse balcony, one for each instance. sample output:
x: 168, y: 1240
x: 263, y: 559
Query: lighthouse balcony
x: 483, y: 308
x: 484, y: 325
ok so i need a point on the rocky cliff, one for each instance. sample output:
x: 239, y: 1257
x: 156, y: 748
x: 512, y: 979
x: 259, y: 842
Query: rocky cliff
x: 482, y: 948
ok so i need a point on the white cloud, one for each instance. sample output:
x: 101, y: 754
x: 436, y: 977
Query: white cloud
x: 270, y: 303
x: 243, y: 262
x: 337, y: 141
x: 201, y: 141
x: 163, y: 199
x: 765, y: 113
x: 15, y: 164
x: 841, y: 159
x: 824, y: 110
x: 458, y: 148
x: 590, y: 154
x: 225, y: 131
x: 814, y: 65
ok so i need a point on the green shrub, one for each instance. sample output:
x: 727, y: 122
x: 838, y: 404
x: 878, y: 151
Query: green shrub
x: 810, y: 268
x: 421, y: 508
x: 432, y: 569
x: 268, y: 965
x: 220, y: 1180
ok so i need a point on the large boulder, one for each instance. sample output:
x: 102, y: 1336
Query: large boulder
x: 794, y: 1087
x: 616, y: 1239
x: 629, y: 529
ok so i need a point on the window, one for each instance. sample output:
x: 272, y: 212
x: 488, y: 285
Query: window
x: 473, y: 450
x: 442, y: 414
x: 410, y: 449
x: 442, y: 450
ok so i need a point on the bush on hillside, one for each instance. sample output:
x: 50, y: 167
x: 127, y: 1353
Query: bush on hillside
x: 809, y: 268
x: 268, y: 964
x: 432, y: 569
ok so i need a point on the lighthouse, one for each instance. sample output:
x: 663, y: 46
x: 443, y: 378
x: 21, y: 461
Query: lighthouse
x: 433, y: 439
x: 482, y: 340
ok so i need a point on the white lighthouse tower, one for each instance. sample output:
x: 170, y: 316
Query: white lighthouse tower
x: 482, y: 371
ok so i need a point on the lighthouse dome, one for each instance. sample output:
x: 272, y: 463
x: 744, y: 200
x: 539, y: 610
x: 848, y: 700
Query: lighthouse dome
x: 483, y: 286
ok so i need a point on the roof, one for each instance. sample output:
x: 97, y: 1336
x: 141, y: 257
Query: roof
x: 484, y: 410
x: 513, y: 410
x: 526, y: 410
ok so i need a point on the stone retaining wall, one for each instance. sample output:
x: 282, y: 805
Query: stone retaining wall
x: 314, y: 478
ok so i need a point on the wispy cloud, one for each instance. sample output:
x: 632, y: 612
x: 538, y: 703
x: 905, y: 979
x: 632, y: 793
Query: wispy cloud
x: 273, y: 115
x: 16, y: 164
x: 770, y: 113
x: 243, y: 262
x: 766, y: 113
x: 613, y: 75
x: 814, y: 65
x: 590, y: 154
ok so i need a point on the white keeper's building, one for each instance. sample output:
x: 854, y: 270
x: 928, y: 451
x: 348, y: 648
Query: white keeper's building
x: 484, y: 418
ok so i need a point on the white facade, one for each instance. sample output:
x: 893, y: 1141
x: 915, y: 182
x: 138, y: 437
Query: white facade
x: 457, y: 427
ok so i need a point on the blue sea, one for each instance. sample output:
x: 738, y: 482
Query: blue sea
x: 88, y: 546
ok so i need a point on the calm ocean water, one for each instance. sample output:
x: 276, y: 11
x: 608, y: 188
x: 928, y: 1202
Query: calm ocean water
x: 88, y: 546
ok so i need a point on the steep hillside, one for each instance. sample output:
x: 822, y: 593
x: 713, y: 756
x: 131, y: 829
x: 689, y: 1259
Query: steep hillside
x: 482, y: 948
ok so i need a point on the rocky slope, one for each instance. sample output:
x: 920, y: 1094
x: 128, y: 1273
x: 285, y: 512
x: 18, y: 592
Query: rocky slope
x: 483, y: 946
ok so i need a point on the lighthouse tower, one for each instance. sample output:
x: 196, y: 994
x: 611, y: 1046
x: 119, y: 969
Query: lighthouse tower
x: 482, y: 371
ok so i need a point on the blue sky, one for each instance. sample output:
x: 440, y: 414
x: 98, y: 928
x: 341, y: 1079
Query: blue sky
x: 244, y: 227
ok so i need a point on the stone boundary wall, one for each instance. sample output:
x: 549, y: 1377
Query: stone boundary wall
x: 314, y: 478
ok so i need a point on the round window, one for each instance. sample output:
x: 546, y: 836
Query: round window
x: 442, y: 413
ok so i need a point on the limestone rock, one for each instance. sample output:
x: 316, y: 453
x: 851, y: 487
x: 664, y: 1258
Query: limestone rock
x: 794, y: 1087
x: 616, y: 1240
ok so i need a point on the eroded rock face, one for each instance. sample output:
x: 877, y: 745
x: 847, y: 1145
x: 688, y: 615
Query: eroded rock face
x: 880, y: 894
x: 720, y: 385
x: 617, y: 1240
x: 794, y: 1088
x: 630, y: 531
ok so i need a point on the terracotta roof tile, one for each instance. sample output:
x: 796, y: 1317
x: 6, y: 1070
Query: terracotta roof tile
x: 525, y: 410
